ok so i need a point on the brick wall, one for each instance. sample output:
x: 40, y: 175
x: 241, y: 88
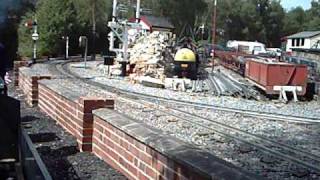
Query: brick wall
x: 135, y: 149
x: 141, y: 152
x: 75, y: 116
x: 16, y: 66
x: 28, y: 83
x: 133, y: 158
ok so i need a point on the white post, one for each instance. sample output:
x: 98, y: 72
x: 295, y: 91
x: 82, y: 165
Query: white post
x: 35, y: 44
x: 138, y: 11
x: 295, y: 96
x: 114, y: 11
x: 125, y: 44
x: 35, y: 37
x: 34, y: 50
x: 85, y: 53
x: 67, y: 47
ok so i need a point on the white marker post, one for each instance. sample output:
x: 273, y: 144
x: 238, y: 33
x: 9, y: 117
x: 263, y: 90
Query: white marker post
x: 35, y: 38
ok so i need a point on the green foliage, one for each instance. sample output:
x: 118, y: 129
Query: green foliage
x: 253, y: 20
x: 182, y: 12
x: 58, y: 18
x: 24, y: 36
x: 298, y: 19
x: 294, y: 21
x: 55, y: 19
x: 261, y: 20
x: 313, y: 16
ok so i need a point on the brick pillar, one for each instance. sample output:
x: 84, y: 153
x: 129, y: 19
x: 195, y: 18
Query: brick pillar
x: 16, y: 66
x: 85, y: 107
x: 32, y: 94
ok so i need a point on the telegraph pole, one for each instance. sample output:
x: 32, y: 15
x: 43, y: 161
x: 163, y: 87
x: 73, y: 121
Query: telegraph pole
x: 214, y: 22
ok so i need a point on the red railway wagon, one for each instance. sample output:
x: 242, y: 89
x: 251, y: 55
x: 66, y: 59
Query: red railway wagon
x: 230, y: 60
x: 272, y: 76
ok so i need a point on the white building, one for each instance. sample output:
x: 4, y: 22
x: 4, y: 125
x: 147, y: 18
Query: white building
x: 248, y: 47
x: 302, y: 40
x: 150, y: 24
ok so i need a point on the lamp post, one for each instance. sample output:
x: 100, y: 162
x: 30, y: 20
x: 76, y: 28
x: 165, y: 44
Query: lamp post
x: 214, y: 22
x: 35, y: 37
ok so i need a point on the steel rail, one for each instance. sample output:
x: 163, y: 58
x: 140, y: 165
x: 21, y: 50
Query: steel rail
x: 181, y: 115
x: 256, y: 114
x: 270, y: 142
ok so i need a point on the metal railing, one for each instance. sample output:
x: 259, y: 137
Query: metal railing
x: 22, y: 152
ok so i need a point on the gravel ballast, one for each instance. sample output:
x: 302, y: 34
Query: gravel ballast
x: 303, y: 136
x: 94, y: 72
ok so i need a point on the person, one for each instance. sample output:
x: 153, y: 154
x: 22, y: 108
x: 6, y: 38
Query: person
x: 4, y: 67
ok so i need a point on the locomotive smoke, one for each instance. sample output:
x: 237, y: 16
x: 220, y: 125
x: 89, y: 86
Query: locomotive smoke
x: 5, y: 7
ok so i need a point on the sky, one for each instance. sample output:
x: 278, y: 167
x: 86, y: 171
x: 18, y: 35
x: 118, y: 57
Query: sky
x: 288, y: 4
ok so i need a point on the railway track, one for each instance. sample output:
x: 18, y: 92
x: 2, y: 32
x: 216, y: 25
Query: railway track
x: 285, y: 152
x: 255, y: 114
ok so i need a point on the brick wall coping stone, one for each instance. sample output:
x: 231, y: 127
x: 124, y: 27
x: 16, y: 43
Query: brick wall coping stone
x: 194, y: 158
x: 36, y: 70
x: 72, y: 89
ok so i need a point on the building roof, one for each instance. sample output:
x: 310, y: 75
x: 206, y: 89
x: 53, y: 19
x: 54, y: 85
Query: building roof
x: 304, y: 34
x: 160, y: 22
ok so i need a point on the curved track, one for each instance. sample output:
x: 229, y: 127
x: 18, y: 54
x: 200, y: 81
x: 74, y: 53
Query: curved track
x: 285, y: 152
x: 256, y: 114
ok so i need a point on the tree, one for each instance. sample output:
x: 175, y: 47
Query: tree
x: 313, y: 16
x: 25, y: 41
x: 294, y: 21
x: 93, y: 15
x: 274, y: 24
x: 71, y: 18
x: 55, y: 19
x: 182, y: 12
x: 253, y: 20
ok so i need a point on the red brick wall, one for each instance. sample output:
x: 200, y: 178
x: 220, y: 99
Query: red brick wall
x: 29, y: 85
x: 16, y: 66
x: 133, y: 158
x: 74, y: 116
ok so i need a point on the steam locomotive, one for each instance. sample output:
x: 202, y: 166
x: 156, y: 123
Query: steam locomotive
x: 186, y: 64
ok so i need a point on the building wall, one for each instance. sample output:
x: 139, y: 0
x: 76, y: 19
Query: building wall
x: 308, y: 43
x: 315, y: 40
x: 132, y: 32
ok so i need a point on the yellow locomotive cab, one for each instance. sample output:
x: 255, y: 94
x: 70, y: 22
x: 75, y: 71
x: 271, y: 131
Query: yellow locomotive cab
x: 185, y: 55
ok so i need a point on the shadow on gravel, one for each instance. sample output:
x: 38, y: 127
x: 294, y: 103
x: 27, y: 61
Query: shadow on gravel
x: 57, y: 161
x: 43, y: 137
x: 28, y: 119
